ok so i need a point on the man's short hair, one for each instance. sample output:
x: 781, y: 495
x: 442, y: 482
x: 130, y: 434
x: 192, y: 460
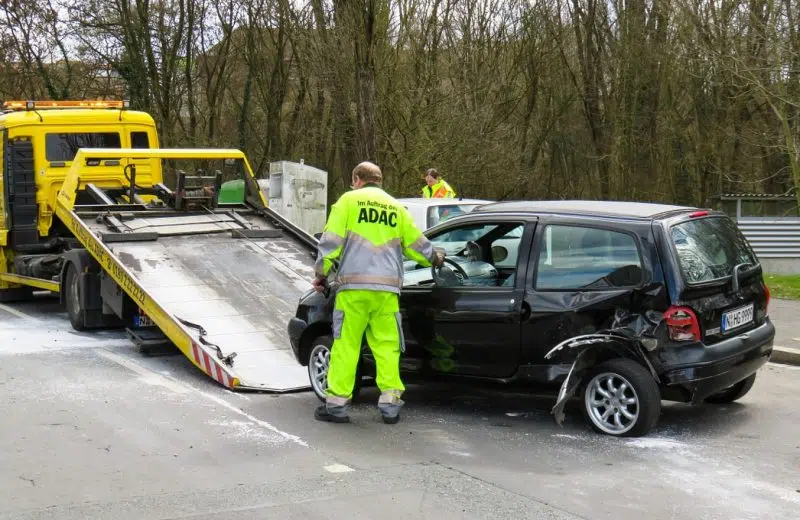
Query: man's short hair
x: 368, y: 172
x: 433, y: 172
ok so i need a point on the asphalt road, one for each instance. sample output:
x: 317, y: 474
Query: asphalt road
x: 91, y: 429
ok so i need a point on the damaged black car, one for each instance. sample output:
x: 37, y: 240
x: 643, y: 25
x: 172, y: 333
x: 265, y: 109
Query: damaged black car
x: 618, y: 304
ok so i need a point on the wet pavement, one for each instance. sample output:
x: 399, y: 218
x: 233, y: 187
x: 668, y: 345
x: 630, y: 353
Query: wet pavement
x: 92, y: 429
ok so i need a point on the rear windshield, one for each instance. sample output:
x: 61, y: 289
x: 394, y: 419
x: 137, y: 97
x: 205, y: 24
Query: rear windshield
x: 709, y: 248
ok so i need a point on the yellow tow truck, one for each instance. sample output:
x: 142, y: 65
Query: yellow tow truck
x: 85, y: 213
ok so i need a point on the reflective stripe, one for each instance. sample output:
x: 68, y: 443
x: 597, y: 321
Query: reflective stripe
x: 423, y: 246
x: 368, y: 287
x: 390, y: 397
x: 335, y: 401
x: 338, y: 321
x: 399, y: 318
x: 329, y: 243
x: 370, y: 279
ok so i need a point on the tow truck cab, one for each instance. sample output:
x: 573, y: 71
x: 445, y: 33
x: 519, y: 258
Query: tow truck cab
x: 39, y: 141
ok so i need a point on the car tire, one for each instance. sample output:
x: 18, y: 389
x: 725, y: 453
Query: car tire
x: 72, y: 298
x: 319, y: 356
x: 732, y: 393
x: 631, y: 410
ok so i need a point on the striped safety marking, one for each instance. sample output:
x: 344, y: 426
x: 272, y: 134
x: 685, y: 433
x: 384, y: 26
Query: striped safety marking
x: 210, y: 366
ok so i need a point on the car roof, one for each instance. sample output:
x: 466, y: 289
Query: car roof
x: 441, y: 202
x: 586, y: 207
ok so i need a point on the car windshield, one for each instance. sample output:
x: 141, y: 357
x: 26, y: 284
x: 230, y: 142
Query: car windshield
x: 709, y: 248
x: 439, y: 214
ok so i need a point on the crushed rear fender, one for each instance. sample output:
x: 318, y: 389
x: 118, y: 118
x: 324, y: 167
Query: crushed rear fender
x: 630, y: 336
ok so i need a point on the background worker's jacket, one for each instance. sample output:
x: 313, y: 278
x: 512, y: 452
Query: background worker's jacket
x: 440, y: 190
x: 369, y: 232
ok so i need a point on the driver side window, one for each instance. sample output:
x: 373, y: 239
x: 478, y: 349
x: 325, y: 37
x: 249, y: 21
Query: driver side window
x: 486, y: 253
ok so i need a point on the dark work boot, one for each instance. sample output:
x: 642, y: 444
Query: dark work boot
x: 323, y: 414
x: 389, y: 405
x: 391, y: 419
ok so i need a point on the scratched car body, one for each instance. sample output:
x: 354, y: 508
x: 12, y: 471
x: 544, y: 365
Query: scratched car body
x: 619, y: 304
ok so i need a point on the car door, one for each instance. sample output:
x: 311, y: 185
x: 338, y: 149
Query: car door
x: 470, y: 327
x: 581, y: 272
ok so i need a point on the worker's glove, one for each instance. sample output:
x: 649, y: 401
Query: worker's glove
x: 438, y: 257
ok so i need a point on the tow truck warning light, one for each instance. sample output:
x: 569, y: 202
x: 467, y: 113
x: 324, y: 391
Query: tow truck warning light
x: 33, y: 105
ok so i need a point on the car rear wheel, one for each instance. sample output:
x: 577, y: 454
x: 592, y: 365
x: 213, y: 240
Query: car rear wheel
x: 319, y: 360
x: 621, y: 398
x: 732, y: 393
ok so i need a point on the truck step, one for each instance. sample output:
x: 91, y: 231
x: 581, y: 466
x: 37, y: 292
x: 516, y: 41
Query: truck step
x: 150, y: 341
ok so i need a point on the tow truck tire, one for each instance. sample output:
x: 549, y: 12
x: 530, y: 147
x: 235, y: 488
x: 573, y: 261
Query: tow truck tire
x: 72, y: 298
x: 733, y: 393
x: 626, y: 389
x: 318, y: 362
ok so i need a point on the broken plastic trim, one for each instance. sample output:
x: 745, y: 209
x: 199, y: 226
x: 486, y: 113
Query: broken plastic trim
x: 629, y: 336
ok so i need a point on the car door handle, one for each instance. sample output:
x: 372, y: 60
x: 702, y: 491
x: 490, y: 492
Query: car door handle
x: 525, y: 310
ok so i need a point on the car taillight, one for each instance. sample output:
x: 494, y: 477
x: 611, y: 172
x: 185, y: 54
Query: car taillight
x: 766, y: 301
x: 682, y: 324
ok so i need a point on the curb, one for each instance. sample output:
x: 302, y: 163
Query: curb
x: 785, y: 356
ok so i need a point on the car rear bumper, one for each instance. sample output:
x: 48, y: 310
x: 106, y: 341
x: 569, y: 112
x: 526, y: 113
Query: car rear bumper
x: 296, y: 329
x: 705, y: 370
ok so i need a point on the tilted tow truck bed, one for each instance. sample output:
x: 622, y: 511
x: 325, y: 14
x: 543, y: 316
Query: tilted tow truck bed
x: 220, y: 283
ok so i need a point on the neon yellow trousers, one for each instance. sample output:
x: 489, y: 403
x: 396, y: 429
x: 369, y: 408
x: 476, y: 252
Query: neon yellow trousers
x: 376, y: 313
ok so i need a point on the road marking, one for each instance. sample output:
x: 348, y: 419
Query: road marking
x: 157, y: 379
x: 338, y: 468
x: 148, y: 376
x: 263, y: 424
x: 17, y: 313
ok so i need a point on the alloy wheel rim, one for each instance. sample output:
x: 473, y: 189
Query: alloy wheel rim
x: 318, y: 368
x: 612, y: 403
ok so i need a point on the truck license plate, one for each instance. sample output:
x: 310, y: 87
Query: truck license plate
x: 142, y: 320
x: 737, y: 317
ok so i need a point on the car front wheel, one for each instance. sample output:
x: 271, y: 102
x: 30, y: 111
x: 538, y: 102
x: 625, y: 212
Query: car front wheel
x: 319, y: 360
x: 621, y: 398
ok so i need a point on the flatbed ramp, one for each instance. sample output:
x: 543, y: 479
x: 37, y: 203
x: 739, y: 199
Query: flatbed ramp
x: 220, y: 283
x: 240, y: 295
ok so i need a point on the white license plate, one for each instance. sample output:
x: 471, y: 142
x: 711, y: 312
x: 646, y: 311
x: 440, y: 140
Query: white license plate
x: 737, y: 317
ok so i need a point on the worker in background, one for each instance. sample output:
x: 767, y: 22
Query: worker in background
x: 436, y: 187
x: 369, y: 233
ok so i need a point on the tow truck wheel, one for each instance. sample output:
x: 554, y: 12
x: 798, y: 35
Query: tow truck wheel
x: 72, y: 297
x: 621, y: 398
x: 319, y: 359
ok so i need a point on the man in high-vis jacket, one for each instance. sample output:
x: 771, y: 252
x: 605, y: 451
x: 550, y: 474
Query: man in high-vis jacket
x: 436, y: 187
x: 369, y: 233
